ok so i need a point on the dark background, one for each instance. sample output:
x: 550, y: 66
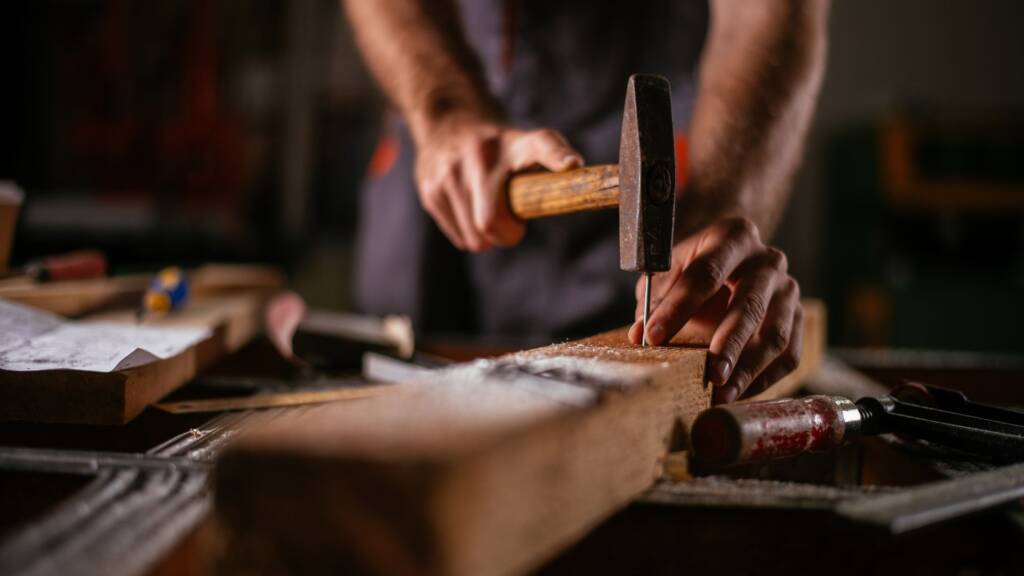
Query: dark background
x: 234, y: 130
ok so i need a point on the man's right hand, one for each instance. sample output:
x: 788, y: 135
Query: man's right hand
x: 462, y: 172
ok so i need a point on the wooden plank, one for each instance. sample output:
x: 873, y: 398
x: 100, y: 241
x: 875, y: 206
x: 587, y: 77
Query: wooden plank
x: 486, y: 468
x: 69, y: 396
x: 75, y: 298
x: 271, y: 400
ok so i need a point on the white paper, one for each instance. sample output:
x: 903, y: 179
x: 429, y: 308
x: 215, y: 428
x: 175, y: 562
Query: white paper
x: 33, y: 340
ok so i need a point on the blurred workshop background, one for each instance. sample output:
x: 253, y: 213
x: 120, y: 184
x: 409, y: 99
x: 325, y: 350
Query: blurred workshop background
x: 188, y: 131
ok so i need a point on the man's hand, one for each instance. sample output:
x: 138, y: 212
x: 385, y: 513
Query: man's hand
x: 726, y: 282
x: 462, y: 172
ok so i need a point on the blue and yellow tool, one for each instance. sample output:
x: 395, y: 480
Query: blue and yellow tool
x: 167, y: 292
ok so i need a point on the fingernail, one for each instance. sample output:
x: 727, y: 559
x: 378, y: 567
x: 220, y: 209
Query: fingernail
x: 740, y: 381
x: 728, y: 394
x: 656, y: 334
x: 570, y: 160
x: 720, y: 370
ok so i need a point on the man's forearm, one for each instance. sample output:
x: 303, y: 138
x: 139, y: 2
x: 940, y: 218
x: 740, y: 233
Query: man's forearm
x: 760, y: 75
x: 419, y: 55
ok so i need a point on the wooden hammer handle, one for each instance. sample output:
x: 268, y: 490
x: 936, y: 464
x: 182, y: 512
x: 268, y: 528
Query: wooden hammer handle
x: 551, y: 193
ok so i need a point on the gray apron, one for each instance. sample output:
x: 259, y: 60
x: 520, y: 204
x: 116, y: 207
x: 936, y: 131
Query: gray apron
x: 561, y: 64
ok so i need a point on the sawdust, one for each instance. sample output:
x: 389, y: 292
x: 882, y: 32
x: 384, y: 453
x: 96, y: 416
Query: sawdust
x: 620, y: 352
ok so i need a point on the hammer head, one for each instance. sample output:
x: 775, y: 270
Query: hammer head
x: 647, y: 168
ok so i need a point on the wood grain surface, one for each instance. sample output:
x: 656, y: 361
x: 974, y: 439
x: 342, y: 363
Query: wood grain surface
x: 543, y: 194
x: 72, y: 396
x: 489, y: 467
x: 76, y: 298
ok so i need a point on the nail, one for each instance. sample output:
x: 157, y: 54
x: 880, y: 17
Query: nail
x: 655, y: 334
x: 570, y: 160
x: 720, y: 370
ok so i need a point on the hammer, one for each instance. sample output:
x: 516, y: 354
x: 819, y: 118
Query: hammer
x: 642, y: 184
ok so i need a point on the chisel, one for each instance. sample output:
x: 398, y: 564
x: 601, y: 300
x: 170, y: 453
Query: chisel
x: 755, y: 431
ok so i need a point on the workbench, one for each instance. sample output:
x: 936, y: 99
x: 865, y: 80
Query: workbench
x: 135, y: 499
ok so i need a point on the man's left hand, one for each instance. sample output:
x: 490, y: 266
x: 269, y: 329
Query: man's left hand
x: 725, y: 282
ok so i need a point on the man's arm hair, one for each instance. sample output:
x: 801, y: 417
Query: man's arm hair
x: 760, y: 74
x: 417, y: 51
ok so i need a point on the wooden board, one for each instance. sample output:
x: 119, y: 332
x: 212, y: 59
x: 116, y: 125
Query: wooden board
x: 75, y: 298
x: 69, y: 396
x: 487, y: 468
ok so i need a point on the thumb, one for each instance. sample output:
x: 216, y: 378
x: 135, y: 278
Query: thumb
x: 546, y: 148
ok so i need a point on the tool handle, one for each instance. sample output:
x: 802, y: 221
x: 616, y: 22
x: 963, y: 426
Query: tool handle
x: 754, y: 431
x: 168, y: 291
x: 77, y: 265
x: 542, y: 194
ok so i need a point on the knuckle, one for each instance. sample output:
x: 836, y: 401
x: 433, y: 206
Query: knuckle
x: 756, y: 306
x: 791, y: 287
x: 741, y: 229
x: 789, y: 361
x: 777, y: 259
x: 473, y: 152
x: 548, y: 134
x: 488, y: 222
x: 775, y: 340
x: 431, y: 198
x: 733, y: 345
x: 705, y: 274
x: 742, y: 378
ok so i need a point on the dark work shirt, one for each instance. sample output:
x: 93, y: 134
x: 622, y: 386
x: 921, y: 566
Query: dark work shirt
x: 559, y: 64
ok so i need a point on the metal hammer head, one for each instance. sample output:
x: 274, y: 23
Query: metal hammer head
x: 647, y: 168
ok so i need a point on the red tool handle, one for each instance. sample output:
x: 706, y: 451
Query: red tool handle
x: 77, y: 265
x: 754, y: 431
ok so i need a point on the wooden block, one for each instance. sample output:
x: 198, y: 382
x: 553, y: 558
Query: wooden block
x: 490, y: 467
x: 70, y: 396
x: 77, y: 397
x: 485, y: 468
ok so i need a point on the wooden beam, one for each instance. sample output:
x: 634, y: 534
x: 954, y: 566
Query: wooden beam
x: 485, y: 468
x: 490, y: 467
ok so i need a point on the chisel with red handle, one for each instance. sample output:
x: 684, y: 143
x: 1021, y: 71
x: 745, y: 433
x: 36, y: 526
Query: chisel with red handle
x: 755, y: 431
